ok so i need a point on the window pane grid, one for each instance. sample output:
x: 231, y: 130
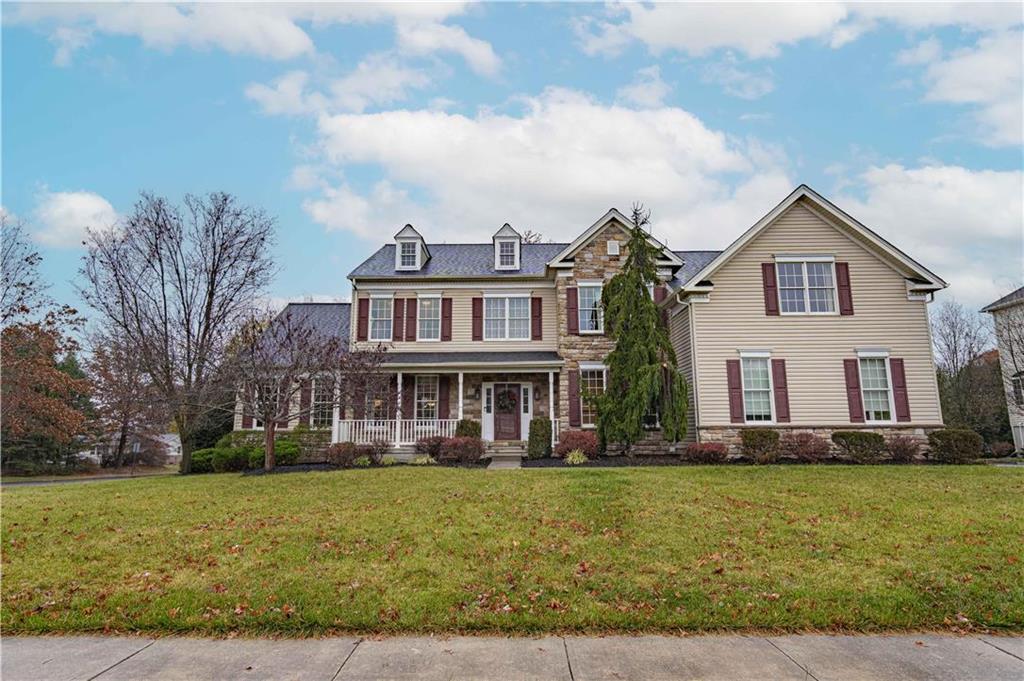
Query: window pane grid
x: 507, y: 318
x: 806, y: 287
x: 591, y: 383
x: 408, y: 254
x: 380, y: 319
x: 506, y: 253
x: 591, y: 313
x: 874, y: 383
x: 426, y: 397
x: 757, y: 394
x: 322, y: 414
x: 429, y: 319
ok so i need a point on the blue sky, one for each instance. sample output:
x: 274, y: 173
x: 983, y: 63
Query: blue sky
x: 347, y: 121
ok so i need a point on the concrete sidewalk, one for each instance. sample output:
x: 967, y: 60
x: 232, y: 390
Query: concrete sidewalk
x: 729, y: 658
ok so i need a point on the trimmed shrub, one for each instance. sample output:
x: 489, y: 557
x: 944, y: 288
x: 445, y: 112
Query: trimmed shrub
x: 389, y: 461
x: 202, y: 460
x: 256, y: 456
x: 859, y: 445
x: 462, y: 449
x: 225, y: 441
x: 468, y: 428
x: 576, y: 457
x: 340, y: 454
x: 376, y: 451
x: 760, y: 444
x: 805, y: 447
x: 583, y: 440
x: 955, y: 445
x: 423, y: 461
x: 539, y: 444
x: 430, y: 446
x: 361, y: 462
x: 1002, y: 449
x: 902, y: 448
x: 286, y: 452
x: 706, y: 452
x: 230, y: 460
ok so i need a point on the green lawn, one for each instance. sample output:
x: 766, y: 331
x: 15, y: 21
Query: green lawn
x: 426, y: 549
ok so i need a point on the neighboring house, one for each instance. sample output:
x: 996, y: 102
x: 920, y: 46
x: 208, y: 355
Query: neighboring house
x: 1008, y: 319
x: 808, y: 321
x: 165, y: 448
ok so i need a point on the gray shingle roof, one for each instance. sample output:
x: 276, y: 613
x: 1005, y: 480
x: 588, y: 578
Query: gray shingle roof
x: 693, y: 262
x: 494, y: 357
x: 459, y: 260
x: 1008, y: 299
x: 329, y: 319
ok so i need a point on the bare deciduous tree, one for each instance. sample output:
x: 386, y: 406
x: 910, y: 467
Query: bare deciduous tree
x: 1009, y: 330
x: 275, y: 362
x: 21, y: 288
x: 175, y: 283
x: 532, y: 237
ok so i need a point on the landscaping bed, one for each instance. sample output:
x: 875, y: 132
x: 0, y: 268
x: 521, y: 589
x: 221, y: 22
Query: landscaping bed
x: 431, y: 549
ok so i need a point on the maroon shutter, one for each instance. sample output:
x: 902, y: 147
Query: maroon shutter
x: 575, y: 415
x: 362, y: 319
x: 732, y: 373
x: 899, y: 389
x: 572, y: 309
x: 410, y: 320
x: 359, y: 401
x: 478, y: 319
x: 408, y: 396
x: 843, y: 287
x: 393, y: 395
x: 305, y: 398
x: 398, y: 311
x: 446, y: 319
x: 536, y: 321
x: 853, y: 398
x: 781, y: 390
x: 246, y: 413
x: 771, y: 289
x: 659, y: 293
x: 442, y: 397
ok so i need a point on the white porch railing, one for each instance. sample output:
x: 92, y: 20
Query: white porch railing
x: 554, y: 432
x: 397, y: 432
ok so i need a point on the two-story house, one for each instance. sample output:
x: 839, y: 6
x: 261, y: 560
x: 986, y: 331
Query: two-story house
x: 808, y: 321
x: 1008, y: 321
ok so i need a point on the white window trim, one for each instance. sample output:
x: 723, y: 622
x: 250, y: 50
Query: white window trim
x: 312, y: 405
x: 497, y: 254
x: 876, y: 353
x: 807, y: 288
x: 765, y: 355
x: 369, y: 318
x: 416, y: 396
x: 600, y: 314
x: 419, y: 316
x: 398, y: 254
x: 507, y: 318
x: 591, y: 366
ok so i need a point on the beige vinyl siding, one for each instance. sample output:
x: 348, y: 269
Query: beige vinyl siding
x: 813, y: 346
x: 679, y: 331
x: 462, y: 322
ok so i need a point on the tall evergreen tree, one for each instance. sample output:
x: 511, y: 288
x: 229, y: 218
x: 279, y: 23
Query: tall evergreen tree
x: 643, y: 376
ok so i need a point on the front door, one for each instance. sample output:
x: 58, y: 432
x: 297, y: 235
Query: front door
x: 506, y: 411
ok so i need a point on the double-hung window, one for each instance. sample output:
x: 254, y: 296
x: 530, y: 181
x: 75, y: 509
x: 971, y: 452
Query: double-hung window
x: 1017, y: 384
x: 408, y: 255
x: 757, y: 390
x: 876, y: 389
x: 380, y: 319
x: 426, y: 397
x: 267, y: 397
x: 590, y: 310
x: 429, y: 319
x: 378, y: 402
x: 507, y: 318
x: 592, y: 383
x: 807, y: 286
x: 507, y: 254
x: 322, y: 408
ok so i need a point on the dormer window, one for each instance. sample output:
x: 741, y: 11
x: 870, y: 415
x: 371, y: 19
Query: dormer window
x: 410, y: 251
x: 506, y: 248
x: 407, y: 258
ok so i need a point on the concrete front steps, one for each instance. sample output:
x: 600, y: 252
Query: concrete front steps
x: 505, y: 454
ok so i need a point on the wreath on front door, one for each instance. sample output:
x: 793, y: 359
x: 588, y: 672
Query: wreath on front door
x: 506, y: 400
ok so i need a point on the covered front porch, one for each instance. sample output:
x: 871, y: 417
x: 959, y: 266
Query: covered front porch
x: 429, y: 393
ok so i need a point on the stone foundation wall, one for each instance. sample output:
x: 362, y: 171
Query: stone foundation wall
x: 652, y: 445
x: 312, y: 443
x: 730, y: 435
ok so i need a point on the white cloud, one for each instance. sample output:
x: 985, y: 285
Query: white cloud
x: 965, y: 225
x: 431, y: 37
x: 737, y: 82
x: 554, y: 168
x: 988, y: 76
x: 924, y: 52
x: 62, y: 218
x: 286, y: 95
x: 647, y: 89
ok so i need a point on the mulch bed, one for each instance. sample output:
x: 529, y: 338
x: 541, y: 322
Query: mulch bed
x: 607, y: 462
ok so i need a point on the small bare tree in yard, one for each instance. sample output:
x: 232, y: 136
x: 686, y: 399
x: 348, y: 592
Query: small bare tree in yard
x: 277, y: 360
x: 174, y: 283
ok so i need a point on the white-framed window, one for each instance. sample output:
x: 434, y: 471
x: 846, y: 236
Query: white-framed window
x: 757, y: 388
x: 1017, y: 383
x: 408, y: 255
x: 806, y: 286
x: 592, y: 383
x: 590, y: 310
x: 506, y: 255
x: 380, y: 319
x: 426, y: 396
x: 267, y: 388
x: 429, y: 319
x: 876, y: 388
x: 321, y: 413
x: 378, y: 402
x: 507, y: 318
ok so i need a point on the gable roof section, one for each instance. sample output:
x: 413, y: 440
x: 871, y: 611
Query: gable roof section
x: 693, y: 262
x: 927, y: 280
x: 592, y: 231
x: 329, y: 319
x: 1009, y: 300
x: 458, y: 260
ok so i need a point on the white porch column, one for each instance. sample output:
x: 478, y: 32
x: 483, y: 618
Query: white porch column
x: 398, y: 409
x: 551, y: 395
x: 460, y: 395
x: 336, y: 418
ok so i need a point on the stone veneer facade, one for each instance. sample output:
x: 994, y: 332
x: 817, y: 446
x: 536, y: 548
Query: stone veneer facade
x: 730, y: 435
